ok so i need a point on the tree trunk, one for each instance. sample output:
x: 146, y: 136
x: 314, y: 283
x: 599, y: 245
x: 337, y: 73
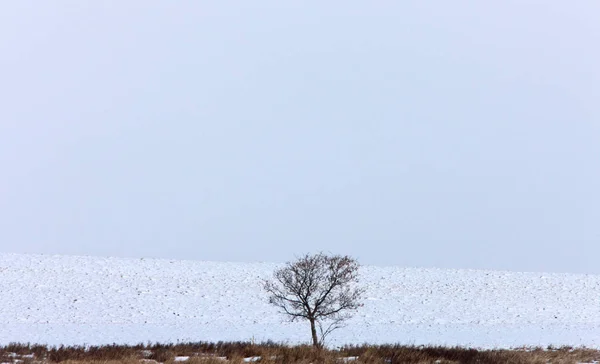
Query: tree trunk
x: 313, y: 330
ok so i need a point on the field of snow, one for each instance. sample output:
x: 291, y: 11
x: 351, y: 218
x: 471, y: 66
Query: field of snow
x: 87, y: 300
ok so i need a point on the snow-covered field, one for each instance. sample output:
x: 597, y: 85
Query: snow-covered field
x: 87, y: 300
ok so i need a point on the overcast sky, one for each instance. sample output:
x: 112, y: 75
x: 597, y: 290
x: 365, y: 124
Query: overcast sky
x: 451, y: 134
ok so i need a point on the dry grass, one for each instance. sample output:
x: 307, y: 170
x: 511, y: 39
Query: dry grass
x: 272, y: 353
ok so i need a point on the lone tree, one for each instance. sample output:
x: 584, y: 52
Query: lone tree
x: 319, y: 288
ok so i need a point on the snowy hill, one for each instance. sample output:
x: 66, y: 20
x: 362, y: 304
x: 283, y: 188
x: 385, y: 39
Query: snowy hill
x: 86, y: 300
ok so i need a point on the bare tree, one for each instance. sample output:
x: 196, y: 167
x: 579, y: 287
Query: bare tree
x: 319, y: 288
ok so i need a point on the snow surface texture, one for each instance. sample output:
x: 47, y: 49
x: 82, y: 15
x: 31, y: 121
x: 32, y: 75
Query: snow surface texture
x: 86, y: 300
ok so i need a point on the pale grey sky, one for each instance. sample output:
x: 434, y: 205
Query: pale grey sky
x: 461, y: 134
